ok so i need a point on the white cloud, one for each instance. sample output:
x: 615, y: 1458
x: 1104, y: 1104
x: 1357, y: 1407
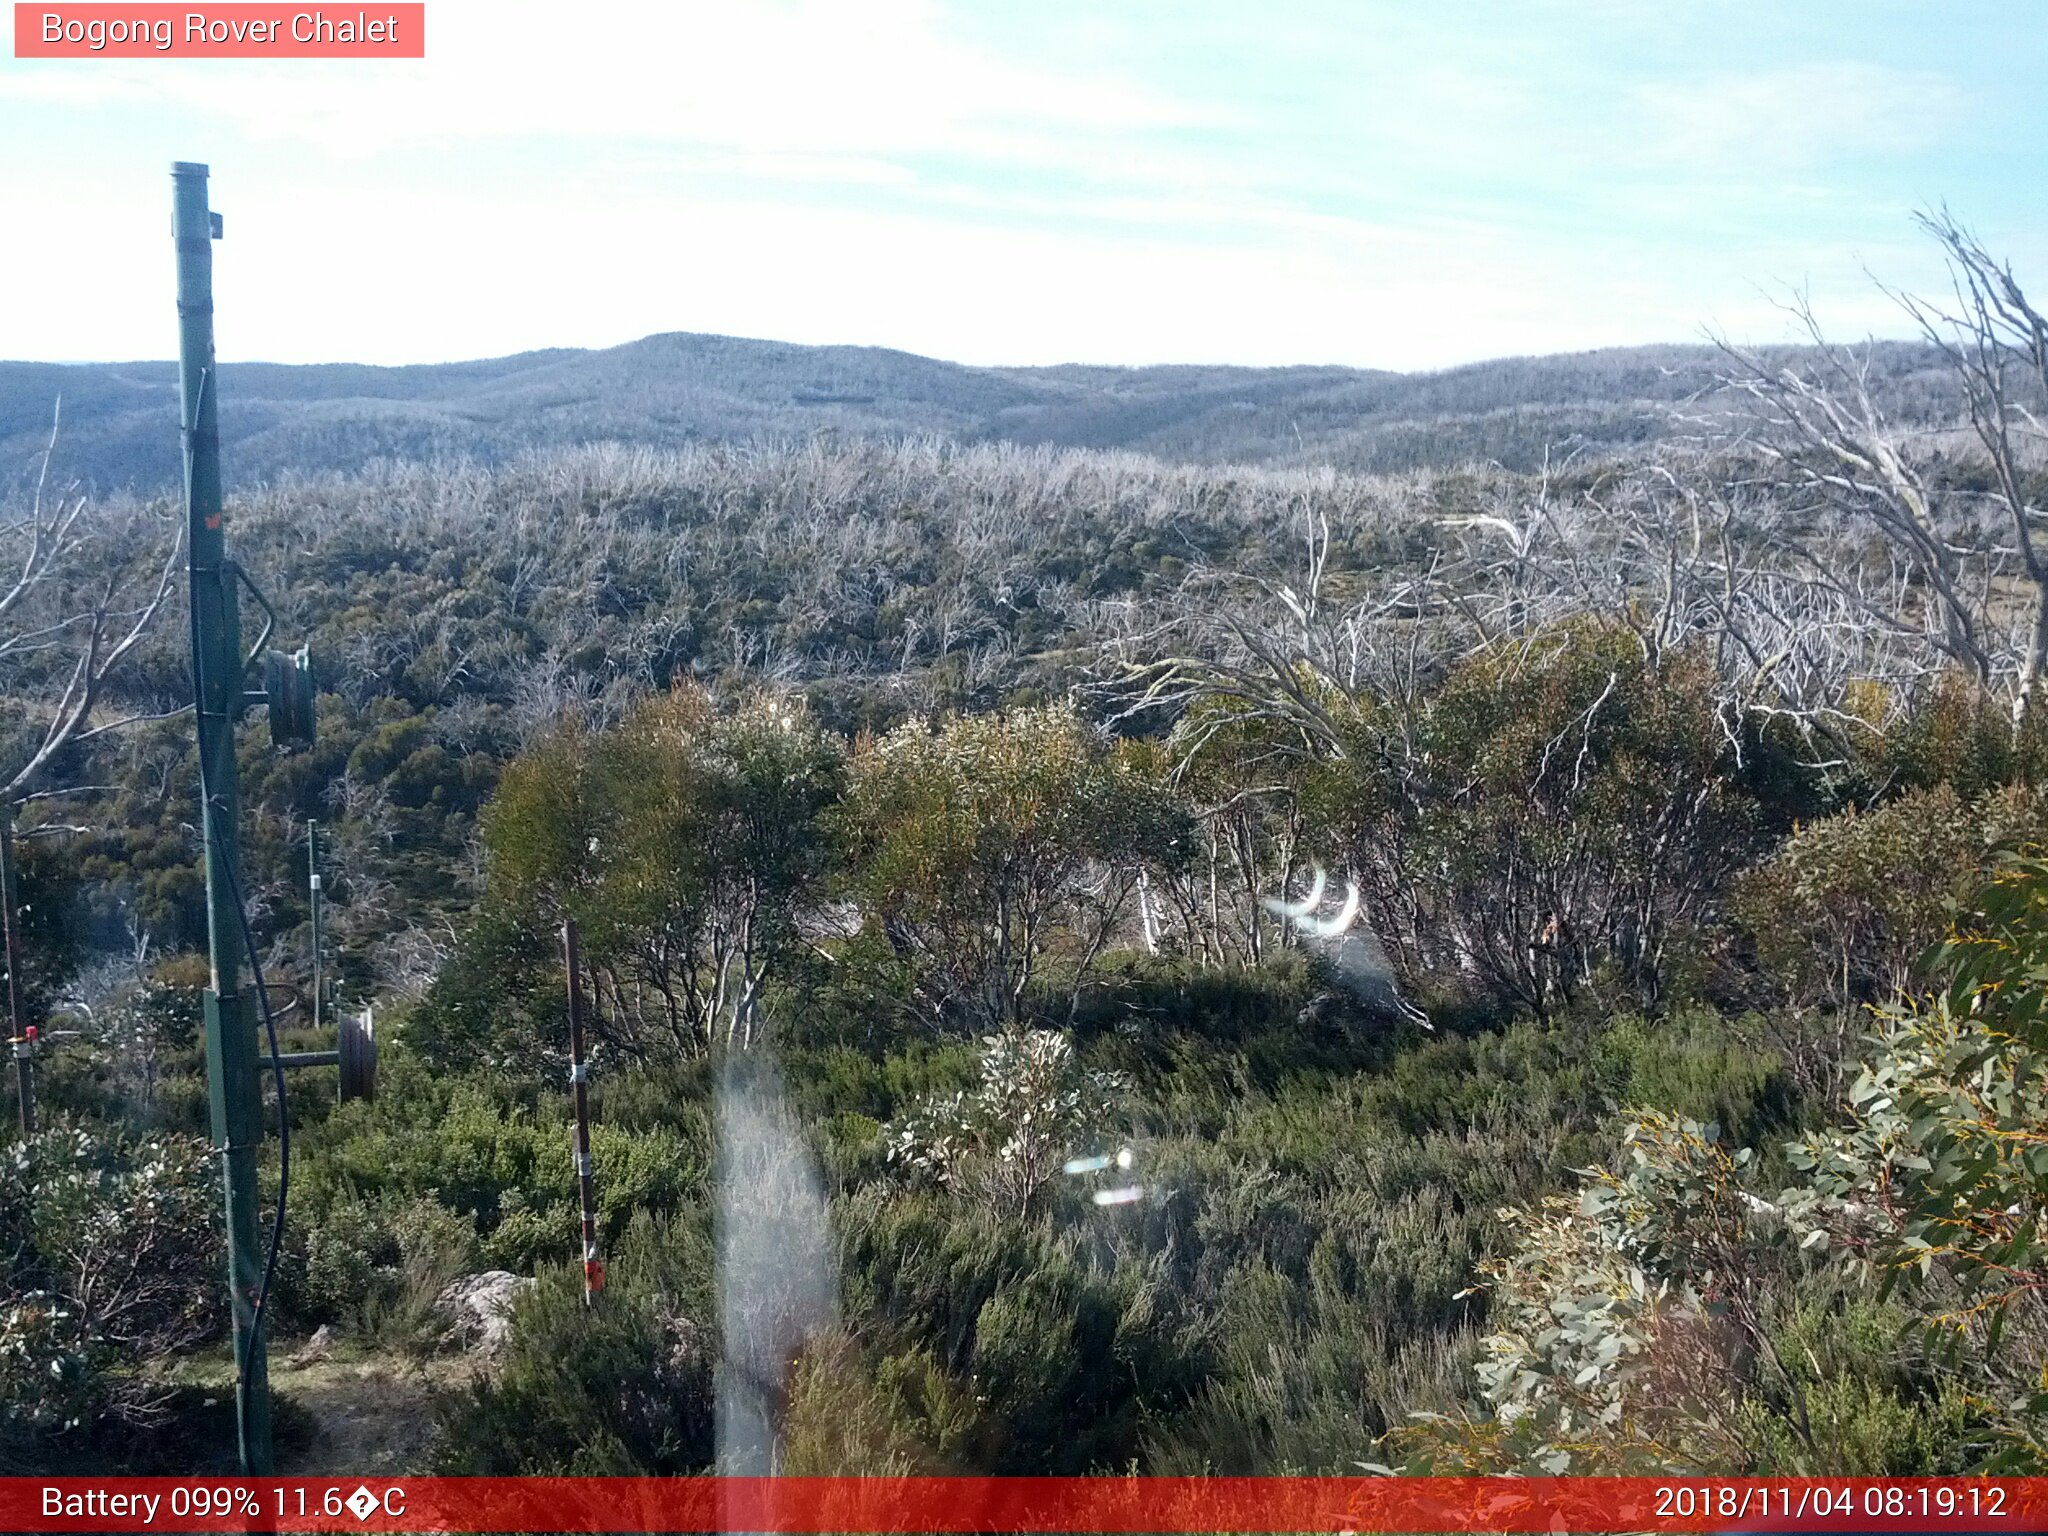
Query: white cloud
x: 793, y: 78
x: 581, y: 175
x: 320, y: 274
x: 1795, y: 118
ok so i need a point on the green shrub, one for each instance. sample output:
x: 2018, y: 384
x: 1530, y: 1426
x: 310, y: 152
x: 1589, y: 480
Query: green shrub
x: 524, y: 1240
x: 1690, y: 1065
x: 1935, y: 1184
x: 1065, y: 1349
x: 1845, y: 910
x: 684, y: 841
x: 1006, y: 1139
x: 341, y: 1258
x: 852, y: 1414
x: 1554, y: 810
x: 110, y: 1253
x: 376, y: 1268
x: 1875, y: 1406
x: 1954, y: 734
x: 979, y: 845
x: 479, y: 1155
x: 625, y: 1387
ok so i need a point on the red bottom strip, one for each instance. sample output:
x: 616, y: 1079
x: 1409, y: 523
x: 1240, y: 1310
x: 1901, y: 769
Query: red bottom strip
x: 1024, y: 1504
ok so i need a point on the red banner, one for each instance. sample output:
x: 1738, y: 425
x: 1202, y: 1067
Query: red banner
x: 231, y: 31
x: 1349, y: 1506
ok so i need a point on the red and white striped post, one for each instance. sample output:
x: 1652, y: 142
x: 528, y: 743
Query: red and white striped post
x: 579, y: 1094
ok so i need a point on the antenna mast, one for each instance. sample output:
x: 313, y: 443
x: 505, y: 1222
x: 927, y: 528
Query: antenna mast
x: 220, y: 674
x: 232, y: 1059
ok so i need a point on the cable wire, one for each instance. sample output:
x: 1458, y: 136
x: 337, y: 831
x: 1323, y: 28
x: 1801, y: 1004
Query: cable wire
x: 284, y: 1118
x: 210, y: 811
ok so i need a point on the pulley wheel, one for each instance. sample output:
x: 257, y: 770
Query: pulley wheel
x: 288, y: 688
x: 358, y: 1056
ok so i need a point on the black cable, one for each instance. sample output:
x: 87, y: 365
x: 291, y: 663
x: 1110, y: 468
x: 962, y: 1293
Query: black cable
x: 284, y: 1117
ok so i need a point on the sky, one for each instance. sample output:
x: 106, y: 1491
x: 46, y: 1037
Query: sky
x: 1391, y: 185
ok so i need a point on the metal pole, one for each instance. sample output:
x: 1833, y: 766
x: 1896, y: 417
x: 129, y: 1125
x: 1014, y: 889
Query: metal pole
x: 217, y: 678
x: 579, y: 1093
x: 20, y: 1038
x: 313, y: 885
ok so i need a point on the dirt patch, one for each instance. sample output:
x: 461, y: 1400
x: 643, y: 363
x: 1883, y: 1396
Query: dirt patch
x: 365, y: 1415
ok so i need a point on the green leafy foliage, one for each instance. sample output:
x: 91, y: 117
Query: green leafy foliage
x: 684, y: 843
x: 1006, y: 1138
x: 1646, y: 1323
x: 1937, y: 1183
x: 378, y: 1269
x: 979, y: 845
x: 111, y: 1253
x: 626, y: 1388
x: 1560, y: 811
x: 1846, y: 909
x: 1668, y: 1318
x: 489, y: 1158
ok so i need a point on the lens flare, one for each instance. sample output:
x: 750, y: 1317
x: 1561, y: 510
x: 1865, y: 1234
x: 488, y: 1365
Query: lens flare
x: 1348, y: 946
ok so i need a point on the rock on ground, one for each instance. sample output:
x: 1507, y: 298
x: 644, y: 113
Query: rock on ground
x: 317, y: 1348
x: 480, y: 1307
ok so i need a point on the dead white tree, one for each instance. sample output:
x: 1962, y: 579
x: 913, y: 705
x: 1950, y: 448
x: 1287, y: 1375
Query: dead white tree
x: 1946, y: 548
x: 1833, y: 464
x: 85, y: 589
x: 1996, y: 345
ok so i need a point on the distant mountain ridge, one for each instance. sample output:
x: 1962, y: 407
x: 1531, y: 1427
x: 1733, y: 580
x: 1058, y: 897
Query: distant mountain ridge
x: 120, y: 419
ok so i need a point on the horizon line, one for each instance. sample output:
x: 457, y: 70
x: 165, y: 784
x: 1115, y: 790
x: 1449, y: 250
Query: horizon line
x: 1705, y: 342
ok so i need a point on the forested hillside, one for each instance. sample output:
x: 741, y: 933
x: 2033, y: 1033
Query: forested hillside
x: 669, y: 391
x: 1094, y: 962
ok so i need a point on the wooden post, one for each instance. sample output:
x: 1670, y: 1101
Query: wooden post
x: 579, y: 1094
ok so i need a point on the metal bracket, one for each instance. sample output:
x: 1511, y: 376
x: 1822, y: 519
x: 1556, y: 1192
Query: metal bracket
x: 269, y: 613
x: 302, y: 1059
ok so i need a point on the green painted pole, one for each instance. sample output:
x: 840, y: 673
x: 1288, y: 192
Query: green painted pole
x: 217, y: 676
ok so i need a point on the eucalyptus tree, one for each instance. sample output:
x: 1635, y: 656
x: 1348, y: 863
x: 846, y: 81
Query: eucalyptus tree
x: 984, y: 846
x: 687, y: 842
